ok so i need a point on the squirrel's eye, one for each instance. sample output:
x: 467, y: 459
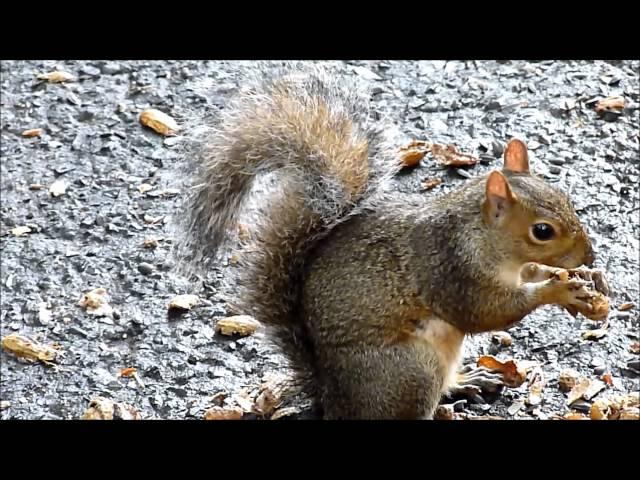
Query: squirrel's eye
x: 542, y: 232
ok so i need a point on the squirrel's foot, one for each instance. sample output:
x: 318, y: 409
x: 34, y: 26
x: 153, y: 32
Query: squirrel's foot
x: 472, y: 381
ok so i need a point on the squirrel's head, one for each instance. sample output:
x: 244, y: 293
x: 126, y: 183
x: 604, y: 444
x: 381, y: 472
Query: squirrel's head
x: 537, y: 221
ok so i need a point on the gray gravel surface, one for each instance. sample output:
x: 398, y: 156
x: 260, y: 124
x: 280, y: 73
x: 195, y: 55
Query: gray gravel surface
x: 92, y: 236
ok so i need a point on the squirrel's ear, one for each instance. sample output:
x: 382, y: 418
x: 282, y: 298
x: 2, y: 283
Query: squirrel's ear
x: 498, y: 197
x: 516, y: 157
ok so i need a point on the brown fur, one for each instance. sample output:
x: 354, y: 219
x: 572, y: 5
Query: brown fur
x: 360, y: 286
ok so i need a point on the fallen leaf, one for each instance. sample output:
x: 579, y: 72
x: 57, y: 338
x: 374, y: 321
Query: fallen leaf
x: 626, y: 306
x: 128, y: 372
x: 632, y: 413
x: 219, y: 413
x: 153, y: 220
x: 450, y: 156
x: 635, y: 347
x: 150, y: 243
x: 575, y: 416
x: 159, y: 121
x: 284, y: 412
x: 609, y: 104
x: 594, y: 334
x: 57, y: 76
x: 366, y: 73
x: 218, y: 398
x: 513, y: 374
x: 444, y: 412
x: 184, y: 302
x: 59, y: 187
x: 20, y: 231
x: 36, y: 186
x: 144, y: 188
x: 4, y: 404
x: 29, y: 349
x: 536, y: 386
x: 567, y: 379
x: 608, y: 379
x: 271, y: 394
x: 502, y: 338
x: 430, y: 183
x: 411, y: 154
x: 104, y: 409
x: 33, y: 132
x: 585, y: 389
x: 96, y: 302
x: 237, y: 325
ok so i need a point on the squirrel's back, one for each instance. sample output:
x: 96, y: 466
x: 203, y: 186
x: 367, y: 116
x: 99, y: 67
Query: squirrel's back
x: 314, y: 132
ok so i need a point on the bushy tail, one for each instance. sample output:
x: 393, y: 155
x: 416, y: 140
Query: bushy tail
x: 313, y: 132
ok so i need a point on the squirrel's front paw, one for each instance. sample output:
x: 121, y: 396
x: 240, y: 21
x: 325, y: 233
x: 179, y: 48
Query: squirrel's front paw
x: 580, y: 291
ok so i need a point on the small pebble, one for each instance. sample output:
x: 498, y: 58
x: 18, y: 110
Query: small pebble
x: 557, y: 161
x: 634, y: 364
x: 600, y: 370
x: 463, y: 173
x: 497, y: 148
x: 555, y: 169
x: 145, y: 268
x: 581, y: 406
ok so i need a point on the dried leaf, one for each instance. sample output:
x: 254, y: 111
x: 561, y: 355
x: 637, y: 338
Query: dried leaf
x: 575, y: 416
x: 57, y: 76
x: 450, y: 156
x: 631, y: 413
x: 59, y: 187
x: 610, y: 104
x: 159, y: 121
x: 411, y: 154
x: 594, y: 334
x: 33, y: 132
x: 237, y: 325
x: 635, y: 347
x: 219, y: 413
x: 36, y: 186
x: 144, y: 188
x: 444, y: 412
x: 513, y: 374
x: 153, y: 220
x: 626, y: 306
x: 502, y: 338
x: 430, y: 183
x: 567, y: 379
x: 284, y: 412
x: 536, y: 386
x: 128, y: 372
x: 150, y: 243
x: 96, y: 302
x: 105, y: 409
x: 585, y: 389
x: 20, y: 231
x: 29, y: 349
x: 184, y: 302
x: 271, y: 394
x: 608, y: 379
x: 4, y: 404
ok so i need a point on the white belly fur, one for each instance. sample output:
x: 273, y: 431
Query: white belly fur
x: 447, y: 342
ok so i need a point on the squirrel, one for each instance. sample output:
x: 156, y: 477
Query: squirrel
x: 369, y: 294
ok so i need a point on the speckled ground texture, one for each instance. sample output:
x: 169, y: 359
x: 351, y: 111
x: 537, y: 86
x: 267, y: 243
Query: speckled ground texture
x: 92, y: 235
